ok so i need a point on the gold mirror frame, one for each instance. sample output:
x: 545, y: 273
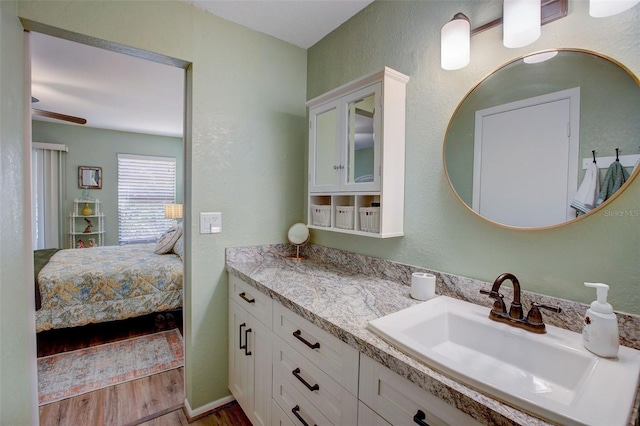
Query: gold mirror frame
x: 501, y: 67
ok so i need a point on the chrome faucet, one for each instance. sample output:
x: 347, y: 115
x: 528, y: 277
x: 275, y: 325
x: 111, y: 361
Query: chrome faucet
x: 533, y: 322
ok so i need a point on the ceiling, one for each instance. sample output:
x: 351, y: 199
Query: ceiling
x: 121, y: 92
x: 110, y: 90
x: 300, y: 22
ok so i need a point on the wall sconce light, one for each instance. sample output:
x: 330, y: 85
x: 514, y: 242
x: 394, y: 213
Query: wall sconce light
x: 521, y: 22
x: 604, y: 8
x: 173, y: 211
x: 455, y: 43
x: 452, y: 55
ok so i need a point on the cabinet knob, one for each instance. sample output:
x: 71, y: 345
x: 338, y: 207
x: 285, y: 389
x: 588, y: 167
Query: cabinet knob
x: 420, y: 418
x: 296, y: 373
x: 243, y: 295
x: 296, y: 412
x: 298, y: 335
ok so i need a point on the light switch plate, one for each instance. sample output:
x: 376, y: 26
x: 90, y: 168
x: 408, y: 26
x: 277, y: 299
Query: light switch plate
x: 210, y: 222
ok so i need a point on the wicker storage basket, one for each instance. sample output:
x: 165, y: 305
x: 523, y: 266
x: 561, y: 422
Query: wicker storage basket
x: 320, y: 215
x: 344, y: 217
x: 370, y: 219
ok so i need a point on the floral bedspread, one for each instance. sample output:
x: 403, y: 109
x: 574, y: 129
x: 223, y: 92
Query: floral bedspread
x: 82, y: 286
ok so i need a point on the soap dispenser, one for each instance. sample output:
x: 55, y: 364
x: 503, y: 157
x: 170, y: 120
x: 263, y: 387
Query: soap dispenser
x: 600, y: 328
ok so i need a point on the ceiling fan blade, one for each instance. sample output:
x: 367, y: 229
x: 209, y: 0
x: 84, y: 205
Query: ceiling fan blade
x: 58, y: 116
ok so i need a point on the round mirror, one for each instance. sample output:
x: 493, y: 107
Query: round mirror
x: 298, y: 235
x: 520, y: 143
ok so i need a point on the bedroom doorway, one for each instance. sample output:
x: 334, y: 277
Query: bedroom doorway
x: 59, y: 102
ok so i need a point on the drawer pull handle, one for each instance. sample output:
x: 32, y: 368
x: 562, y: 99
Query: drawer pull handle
x: 420, y: 417
x: 244, y: 296
x: 295, y: 411
x: 297, y: 335
x: 240, y: 337
x: 246, y: 341
x: 296, y: 373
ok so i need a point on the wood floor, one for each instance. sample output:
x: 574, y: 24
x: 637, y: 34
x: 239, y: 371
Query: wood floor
x: 151, y: 401
x: 230, y: 415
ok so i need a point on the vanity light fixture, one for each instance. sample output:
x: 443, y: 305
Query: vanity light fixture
x: 521, y: 22
x: 547, y: 11
x: 455, y: 43
x: 604, y: 8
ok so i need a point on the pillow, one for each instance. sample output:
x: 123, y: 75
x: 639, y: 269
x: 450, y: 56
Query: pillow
x: 178, y: 248
x: 168, y: 240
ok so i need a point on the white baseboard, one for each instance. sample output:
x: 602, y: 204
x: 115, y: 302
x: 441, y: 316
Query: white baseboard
x: 191, y: 413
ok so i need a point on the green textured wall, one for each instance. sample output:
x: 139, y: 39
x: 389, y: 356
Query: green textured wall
x: 18, y: 386
x: 440, y: 233
x: 244, y: 149
x: 99, y: 148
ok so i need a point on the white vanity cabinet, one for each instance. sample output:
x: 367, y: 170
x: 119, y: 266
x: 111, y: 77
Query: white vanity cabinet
x: 356, y: 156
x: 250, y: 350
x: 368, y: 417
x: 398, y: 401
x: 285, y: 370
x: 315, y: 375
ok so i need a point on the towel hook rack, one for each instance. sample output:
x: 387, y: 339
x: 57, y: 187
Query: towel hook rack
x: 593, y: 152
x: 617, y: 149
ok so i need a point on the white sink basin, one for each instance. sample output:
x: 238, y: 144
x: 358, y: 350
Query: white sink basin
x: 549, y: 375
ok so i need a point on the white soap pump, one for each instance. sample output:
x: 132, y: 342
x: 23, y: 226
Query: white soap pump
x: 600, y: 328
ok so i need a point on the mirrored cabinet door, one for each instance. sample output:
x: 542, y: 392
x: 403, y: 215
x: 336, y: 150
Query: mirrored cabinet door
x: 324, y: 167
x: 345, y: 143
x: 362, y: 149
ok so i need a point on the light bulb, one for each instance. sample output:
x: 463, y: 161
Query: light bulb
x: 521, y: 22
x: 455, y: 43
x: 604, y: 8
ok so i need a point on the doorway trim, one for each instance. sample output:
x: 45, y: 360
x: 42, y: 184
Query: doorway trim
x: 34, y: 26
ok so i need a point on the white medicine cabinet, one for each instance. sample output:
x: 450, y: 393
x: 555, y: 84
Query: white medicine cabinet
x: 356, y: 156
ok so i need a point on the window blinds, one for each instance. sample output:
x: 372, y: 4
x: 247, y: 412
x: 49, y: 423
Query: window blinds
x: 145, y: 185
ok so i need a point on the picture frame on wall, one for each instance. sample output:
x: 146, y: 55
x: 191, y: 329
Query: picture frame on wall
x: 89, y: 177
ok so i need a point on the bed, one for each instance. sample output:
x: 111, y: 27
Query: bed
x: 99, y: 284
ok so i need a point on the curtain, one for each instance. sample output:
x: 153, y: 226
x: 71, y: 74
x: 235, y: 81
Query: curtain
x: 47, y: 193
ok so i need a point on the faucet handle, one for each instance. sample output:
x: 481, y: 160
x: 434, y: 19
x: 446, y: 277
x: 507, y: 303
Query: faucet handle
x: 535, y: 316
x: 498, y: 306
x: 492, y: 294
x: 556, y: 309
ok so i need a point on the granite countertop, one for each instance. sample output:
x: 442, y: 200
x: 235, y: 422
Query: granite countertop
x: 341, y: 300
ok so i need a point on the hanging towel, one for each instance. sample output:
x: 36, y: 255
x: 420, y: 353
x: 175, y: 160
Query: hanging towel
x: 589, y: 190
x: 616, y: 177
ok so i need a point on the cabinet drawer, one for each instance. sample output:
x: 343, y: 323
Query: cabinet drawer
x: 278, y: 417
x: 331, y: 399
x: 399, y: 401
x: 368, y: 417
x: 327, y: 352
x: 251, y: 299
x: 297, y: 408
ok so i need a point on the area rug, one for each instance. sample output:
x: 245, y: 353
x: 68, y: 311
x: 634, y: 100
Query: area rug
x: 69, y: 374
